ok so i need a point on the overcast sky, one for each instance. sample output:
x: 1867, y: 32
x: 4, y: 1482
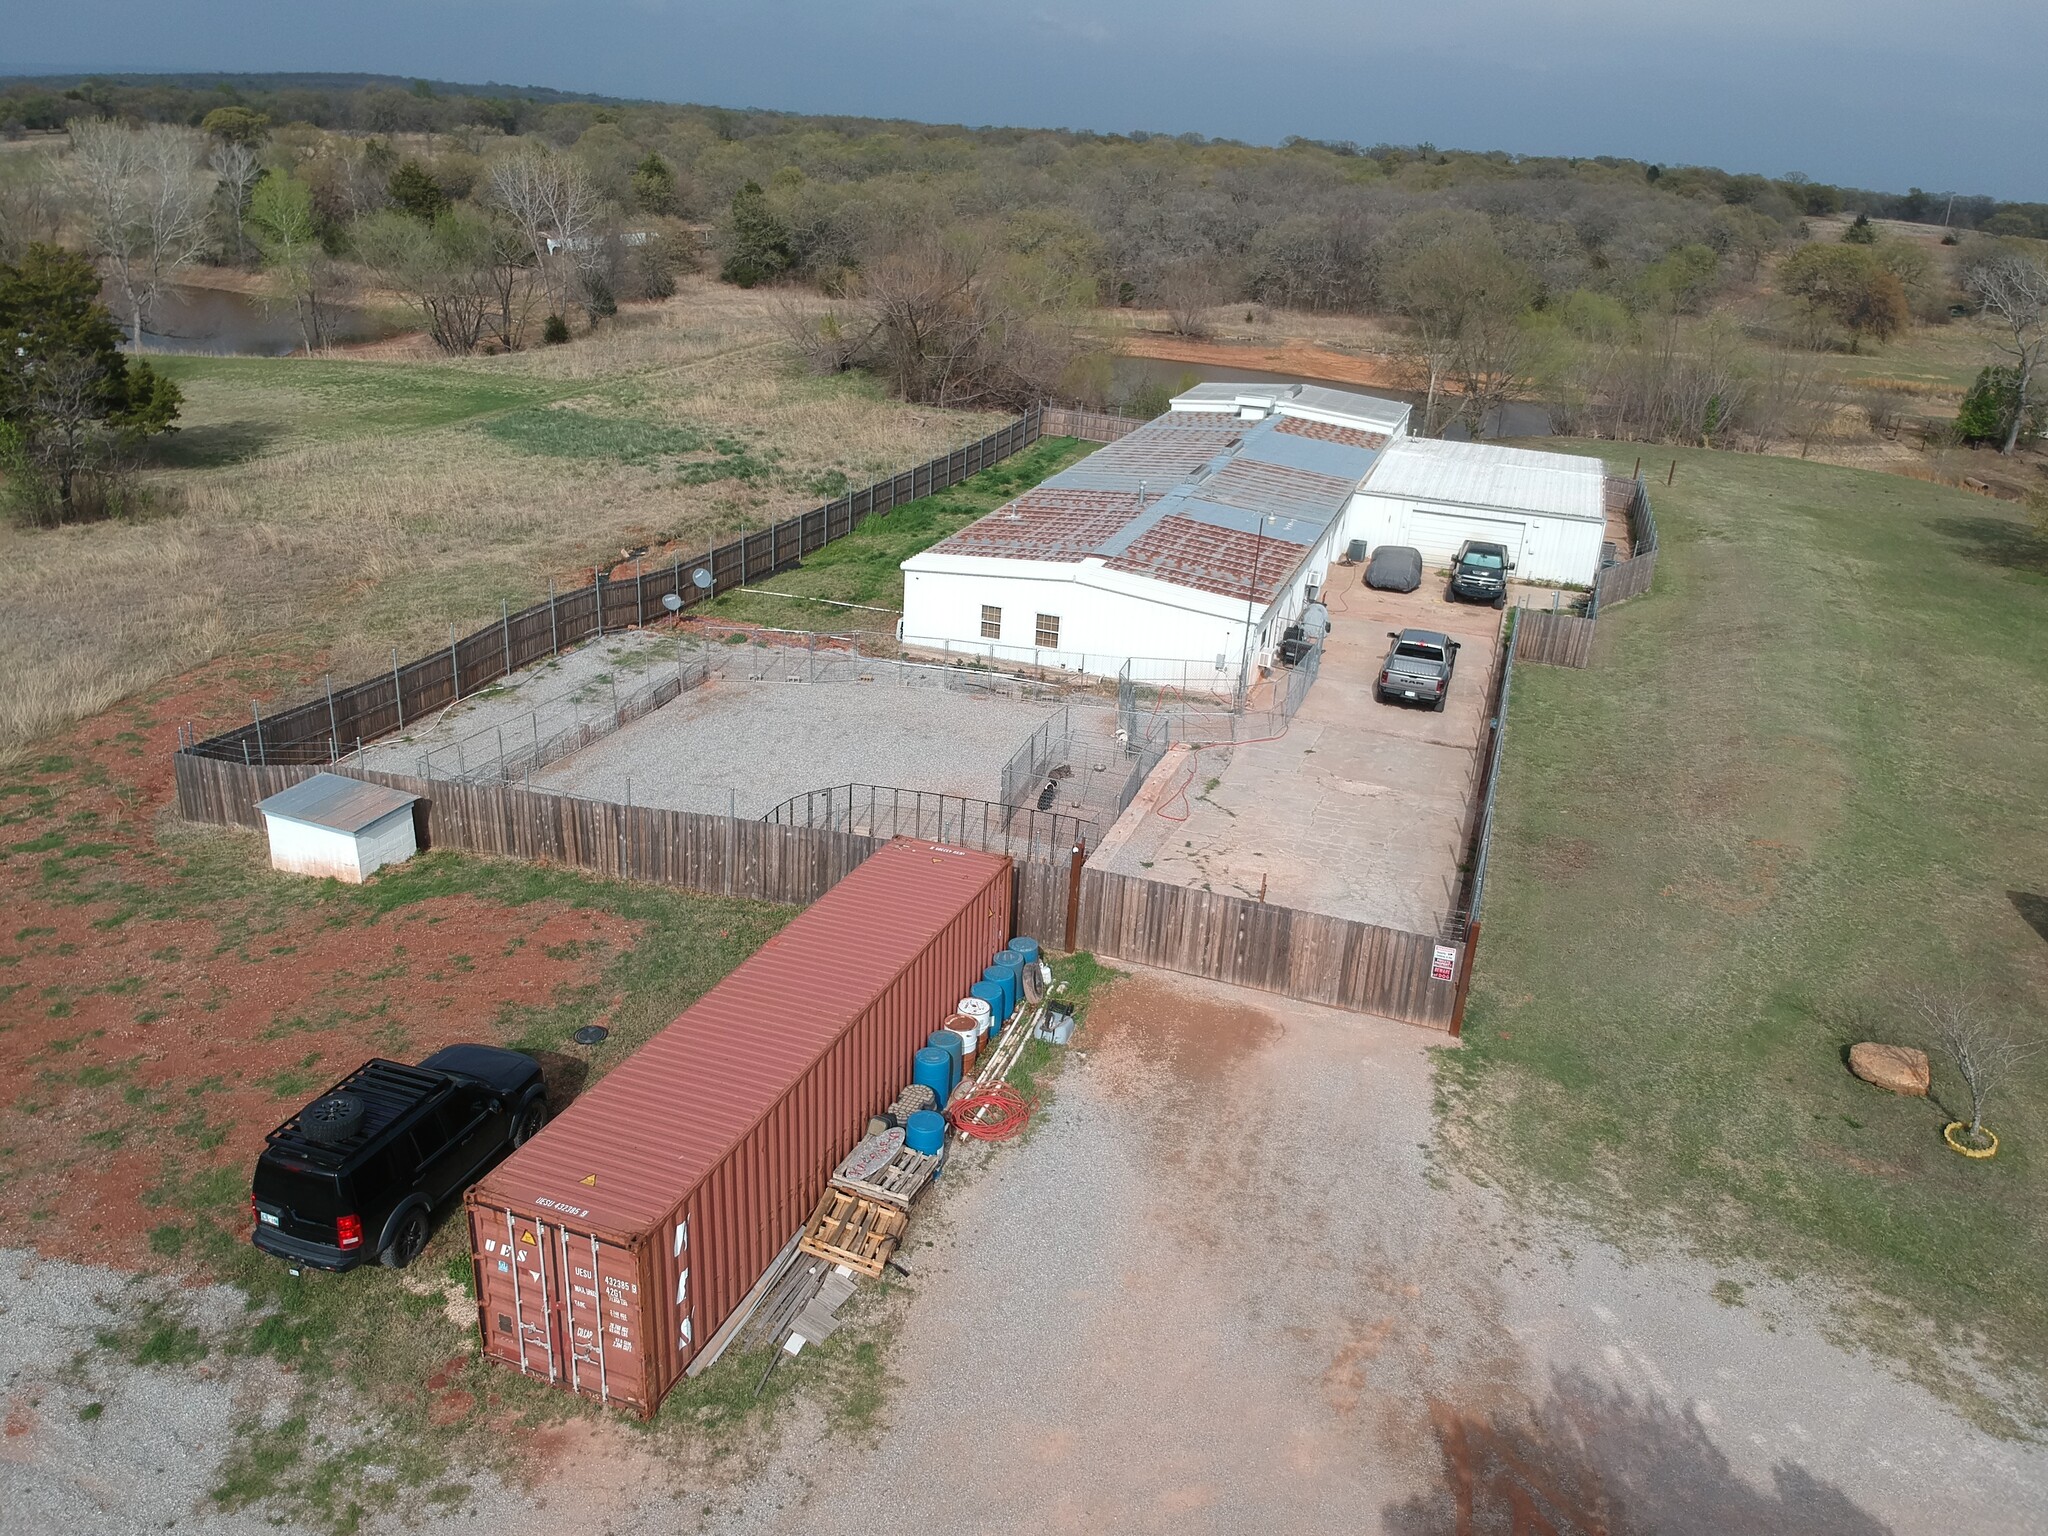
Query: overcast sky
x: 1941, y: 94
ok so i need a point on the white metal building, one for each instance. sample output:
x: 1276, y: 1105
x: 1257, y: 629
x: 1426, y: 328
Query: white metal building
x: 1184, y: 549
x: 1549, y: 509
x: 341, y: 828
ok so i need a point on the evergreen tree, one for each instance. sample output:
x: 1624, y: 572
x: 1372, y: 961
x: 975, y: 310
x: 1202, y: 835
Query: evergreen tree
x: 757, y: 246
x: 417, y: 193
x: 69, y: 398
x: 654, y: 187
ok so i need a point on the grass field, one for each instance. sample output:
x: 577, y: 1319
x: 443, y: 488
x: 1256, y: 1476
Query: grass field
x: 316, y: 512
x: 1804, y: 776
x: 865, y: 567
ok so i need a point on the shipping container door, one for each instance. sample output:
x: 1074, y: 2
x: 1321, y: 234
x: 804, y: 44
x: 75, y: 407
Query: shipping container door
x: 606, y: 1336
x: 519, y: 1284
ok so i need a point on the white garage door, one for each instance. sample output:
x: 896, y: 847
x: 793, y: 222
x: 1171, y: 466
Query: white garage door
x: 1438, y: 534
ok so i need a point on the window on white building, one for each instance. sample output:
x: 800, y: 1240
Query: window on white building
x: 991, y: 622
x: 1048, y: 632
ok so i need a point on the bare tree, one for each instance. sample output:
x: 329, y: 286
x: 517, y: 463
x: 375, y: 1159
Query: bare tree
x: 2012, y: 285
x: 236, y: 166
x: 550, y: 200
x: 143, y: 194
x: 1189, y: 290
x: 1985, y: 1051
x: 1465, y: 299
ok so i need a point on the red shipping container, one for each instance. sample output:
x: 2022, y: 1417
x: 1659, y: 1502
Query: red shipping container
x: 610, y: 1248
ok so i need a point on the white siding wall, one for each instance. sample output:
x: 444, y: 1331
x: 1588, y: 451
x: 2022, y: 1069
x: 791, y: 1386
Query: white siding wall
x: 1547, y: 548
x: 387, y: 840
x: 300, y: 848
x: 1106, y: 617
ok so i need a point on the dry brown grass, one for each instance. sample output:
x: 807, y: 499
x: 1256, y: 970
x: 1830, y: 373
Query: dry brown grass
x: 369, y: 509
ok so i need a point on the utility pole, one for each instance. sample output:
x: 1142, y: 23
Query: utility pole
x: 1244, y: 665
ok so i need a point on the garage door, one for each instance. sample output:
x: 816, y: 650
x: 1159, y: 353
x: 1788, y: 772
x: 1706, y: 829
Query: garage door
x: 1438, y: 534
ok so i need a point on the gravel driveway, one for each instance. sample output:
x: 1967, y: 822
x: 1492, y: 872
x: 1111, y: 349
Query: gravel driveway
x: 1217, y: 1288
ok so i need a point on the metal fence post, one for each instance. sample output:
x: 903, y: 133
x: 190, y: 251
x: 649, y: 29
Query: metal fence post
x: 397, y: 693
x: 254, y: 710
x: 454, y: 663
x: 639, y: 593
x: 554, y: 630
x: 597, y: 591
x: 333, y: 730
x: 505, y: 625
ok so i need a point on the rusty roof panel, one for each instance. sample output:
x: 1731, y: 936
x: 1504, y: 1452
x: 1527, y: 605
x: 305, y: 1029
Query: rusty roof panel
x: 1207, y: 558
x: 1327, y: 432
x: 1053, y: 522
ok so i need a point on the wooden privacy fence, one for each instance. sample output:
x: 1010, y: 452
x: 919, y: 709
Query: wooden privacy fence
x: 1319, y: 959
x: 1090, y: 426
x: 324, y: 728
x: 1553, y: 636
x: 716, y: 855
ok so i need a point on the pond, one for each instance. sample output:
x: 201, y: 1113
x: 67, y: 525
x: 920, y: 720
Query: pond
x: 1519, y: 418
x: 212, y: 320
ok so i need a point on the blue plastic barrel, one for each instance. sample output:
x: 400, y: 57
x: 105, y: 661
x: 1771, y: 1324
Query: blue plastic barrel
x: 934, y: 1069
x: 992, y: 993
x: 956, y: 1056
x: 924, y: 1131
x: 1025, y: 950
x: 1008, y: 974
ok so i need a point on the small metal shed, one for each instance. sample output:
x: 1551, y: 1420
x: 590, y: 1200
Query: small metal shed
x: 339, y: 827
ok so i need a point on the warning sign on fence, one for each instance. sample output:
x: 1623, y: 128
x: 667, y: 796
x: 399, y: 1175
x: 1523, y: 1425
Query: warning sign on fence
x: 1445, y: 964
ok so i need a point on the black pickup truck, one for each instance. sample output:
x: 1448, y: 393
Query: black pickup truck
x: 1480, y: 573
x: 1418, y: 668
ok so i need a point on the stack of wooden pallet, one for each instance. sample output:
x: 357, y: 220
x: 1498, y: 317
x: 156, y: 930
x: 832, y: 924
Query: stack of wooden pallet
x: 858, y: 1231
x: 898, y: 1182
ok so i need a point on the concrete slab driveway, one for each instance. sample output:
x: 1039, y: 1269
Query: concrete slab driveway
x: 1359, y: 810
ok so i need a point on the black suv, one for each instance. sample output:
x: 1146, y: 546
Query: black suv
x: 1480, y: 573
x: 360, y: 1171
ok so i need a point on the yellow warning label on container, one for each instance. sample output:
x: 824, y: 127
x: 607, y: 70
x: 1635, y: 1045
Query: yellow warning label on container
x: 528, y: 1237
x: 588, y: 1181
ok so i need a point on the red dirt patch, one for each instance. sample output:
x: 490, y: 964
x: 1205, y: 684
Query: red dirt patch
x: 1200, y: 1040
x: 141, y: 1043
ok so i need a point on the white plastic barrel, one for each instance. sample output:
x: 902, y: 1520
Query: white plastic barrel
x: 976, y: 1008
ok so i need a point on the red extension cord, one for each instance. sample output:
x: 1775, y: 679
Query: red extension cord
x: 993, y: 1114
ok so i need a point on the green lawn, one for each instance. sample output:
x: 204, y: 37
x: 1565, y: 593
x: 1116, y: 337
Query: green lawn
x: 865, y: 566
x: 238, y: 407
x: 1803, y: 776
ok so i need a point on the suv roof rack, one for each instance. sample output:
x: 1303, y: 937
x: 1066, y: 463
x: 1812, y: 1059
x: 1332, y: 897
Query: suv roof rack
x: 388, y: 1089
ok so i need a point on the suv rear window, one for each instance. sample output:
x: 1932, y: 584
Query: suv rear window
x: 312, y: 1193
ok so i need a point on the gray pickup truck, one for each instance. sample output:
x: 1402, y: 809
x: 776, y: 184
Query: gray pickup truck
x: 1418, y: 668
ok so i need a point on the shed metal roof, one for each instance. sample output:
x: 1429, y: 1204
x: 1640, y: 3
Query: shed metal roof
x: 1488, y: 475
x: 335, y: 802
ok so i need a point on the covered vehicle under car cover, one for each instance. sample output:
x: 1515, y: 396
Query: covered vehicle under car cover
x: 1395, y: 568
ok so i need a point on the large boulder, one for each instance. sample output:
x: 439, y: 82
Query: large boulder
x: 1899, y: 1068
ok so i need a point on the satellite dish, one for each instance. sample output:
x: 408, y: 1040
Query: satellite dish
x: 702, y: 578
x: 671, y: 602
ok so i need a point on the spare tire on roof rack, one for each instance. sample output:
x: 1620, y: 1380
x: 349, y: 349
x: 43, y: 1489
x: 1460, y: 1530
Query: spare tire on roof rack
x: 333, y: 1118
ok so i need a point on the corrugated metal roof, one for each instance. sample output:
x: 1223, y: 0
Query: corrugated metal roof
x: 1371, y: 412
x: 1060, y: 523
x: 650, y: 1131
x: 1208, y: 480
x: 1207, y: 558
x: 333, y: 801
x: 1488, y: 475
